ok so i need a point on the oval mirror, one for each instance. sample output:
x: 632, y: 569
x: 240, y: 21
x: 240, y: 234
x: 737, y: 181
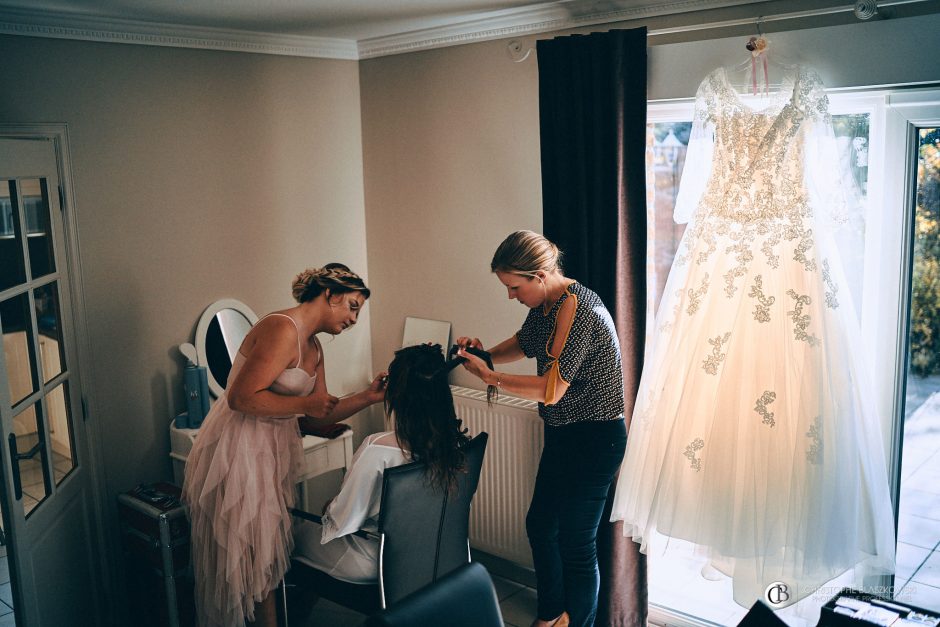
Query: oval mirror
x: 221, y: 329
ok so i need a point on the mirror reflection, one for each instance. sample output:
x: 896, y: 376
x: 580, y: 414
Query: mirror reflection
x: 219, y: 334
x: 223, y: 337
x: 423, y: 331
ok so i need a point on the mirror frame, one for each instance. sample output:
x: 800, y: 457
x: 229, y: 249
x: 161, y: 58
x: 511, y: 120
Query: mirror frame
x: 202, y: 329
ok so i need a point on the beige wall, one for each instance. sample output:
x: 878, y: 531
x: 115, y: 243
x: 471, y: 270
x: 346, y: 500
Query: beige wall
x: 451, y: 145
x: 198, y: 175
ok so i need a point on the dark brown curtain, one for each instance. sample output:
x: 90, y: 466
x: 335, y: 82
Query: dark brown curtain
x: 592, y: 103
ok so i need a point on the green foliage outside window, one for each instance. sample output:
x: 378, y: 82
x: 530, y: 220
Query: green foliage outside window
x: 925, y: 297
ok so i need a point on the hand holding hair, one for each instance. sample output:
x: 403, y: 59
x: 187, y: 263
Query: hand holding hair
x: 474, y: 364
x: 320, y: 405
x: 473, y: 342
x: 376, y: 390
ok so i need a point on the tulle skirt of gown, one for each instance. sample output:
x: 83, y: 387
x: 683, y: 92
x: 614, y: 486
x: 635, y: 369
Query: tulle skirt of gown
x: 239, y: 484
x: 754, y: 435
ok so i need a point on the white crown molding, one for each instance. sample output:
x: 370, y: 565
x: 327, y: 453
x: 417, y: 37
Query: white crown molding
x: 532, y: 20
x: 124, y: 31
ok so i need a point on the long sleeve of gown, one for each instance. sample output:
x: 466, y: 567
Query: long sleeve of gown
x: 826, y: 172
x: 698, y: 159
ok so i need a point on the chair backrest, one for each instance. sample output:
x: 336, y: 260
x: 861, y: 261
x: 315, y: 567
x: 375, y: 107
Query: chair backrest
x: 424, y: 529
x: 463, y: 598
x: 762, y: 616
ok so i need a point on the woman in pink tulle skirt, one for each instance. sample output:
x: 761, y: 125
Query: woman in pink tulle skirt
x: 241, y: 474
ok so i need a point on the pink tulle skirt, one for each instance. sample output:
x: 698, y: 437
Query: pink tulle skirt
x: 239, y: 485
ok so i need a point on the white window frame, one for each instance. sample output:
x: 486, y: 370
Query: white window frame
x: 887, y: 300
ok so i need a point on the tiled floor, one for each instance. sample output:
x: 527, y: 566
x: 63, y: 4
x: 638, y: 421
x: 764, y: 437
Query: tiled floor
x: 918, y: 572
x: 6, y: 595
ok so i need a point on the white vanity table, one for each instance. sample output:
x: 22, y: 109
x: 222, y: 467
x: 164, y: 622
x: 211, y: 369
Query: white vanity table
x: 320, y: 455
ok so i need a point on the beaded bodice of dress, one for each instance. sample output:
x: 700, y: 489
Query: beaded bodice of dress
x: 756, y: 193
x: 758, y: 165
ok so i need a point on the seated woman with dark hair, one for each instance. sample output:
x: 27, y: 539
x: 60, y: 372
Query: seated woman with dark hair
x: 419, y: 404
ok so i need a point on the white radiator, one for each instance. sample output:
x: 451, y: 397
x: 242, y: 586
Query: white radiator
x: 497, y: 518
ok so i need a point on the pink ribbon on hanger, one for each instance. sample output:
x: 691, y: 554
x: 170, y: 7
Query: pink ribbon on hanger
x: 754, y: 73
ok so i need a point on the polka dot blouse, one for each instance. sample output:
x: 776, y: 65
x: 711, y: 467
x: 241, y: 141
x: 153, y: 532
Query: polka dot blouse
x: 589, y: 361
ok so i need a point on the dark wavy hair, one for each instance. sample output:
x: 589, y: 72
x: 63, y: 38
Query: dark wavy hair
x: 419, y: 402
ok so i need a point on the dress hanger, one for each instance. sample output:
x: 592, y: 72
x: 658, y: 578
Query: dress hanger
x: 764, y: 70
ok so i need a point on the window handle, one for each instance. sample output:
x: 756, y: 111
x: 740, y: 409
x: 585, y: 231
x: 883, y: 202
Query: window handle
x: 15, y: 459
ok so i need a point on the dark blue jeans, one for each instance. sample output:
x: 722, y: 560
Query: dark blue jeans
x: 578, y: 463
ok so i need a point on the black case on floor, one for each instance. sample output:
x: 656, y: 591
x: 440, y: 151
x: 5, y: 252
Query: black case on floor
x: 830, y: 618
x: 155, y: 537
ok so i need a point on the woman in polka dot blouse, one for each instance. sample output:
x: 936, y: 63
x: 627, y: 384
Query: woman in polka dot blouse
x: 579, y: 388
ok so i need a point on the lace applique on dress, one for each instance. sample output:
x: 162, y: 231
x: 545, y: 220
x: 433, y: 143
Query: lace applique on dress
x: 831, y: 288
x: 710, y: 365
x: 695, y: 296
x: 755, y: 196
x: 760, y: 407
x: 814, y: 454
x: 697, y: 445
x: 801, y: 320
x: 762, y: 308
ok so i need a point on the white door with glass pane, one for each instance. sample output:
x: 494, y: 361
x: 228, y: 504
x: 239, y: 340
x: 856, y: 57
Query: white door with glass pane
x: 46, y: 493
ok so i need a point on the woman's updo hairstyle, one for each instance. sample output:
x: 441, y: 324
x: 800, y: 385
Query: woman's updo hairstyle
x: 526, y: 252
x: 336, y: 277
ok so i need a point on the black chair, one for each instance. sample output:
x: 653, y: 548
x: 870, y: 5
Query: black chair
x: 422, y: 535
x: 761, y: 616
x: 463, y: 598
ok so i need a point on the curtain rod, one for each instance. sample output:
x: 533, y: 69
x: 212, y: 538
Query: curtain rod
x: 519, y: 52
x: 795, y: 15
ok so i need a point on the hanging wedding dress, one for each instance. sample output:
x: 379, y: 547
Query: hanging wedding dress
x: 754, y: 435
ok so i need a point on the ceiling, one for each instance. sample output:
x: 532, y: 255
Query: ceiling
x: 326, y: 28
x: 344, y: 19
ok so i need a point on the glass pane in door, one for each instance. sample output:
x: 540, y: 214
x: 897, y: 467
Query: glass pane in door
x: 852, y: 139
x: 18, y: 348
x: 919, y: 505
x: 12, y: 266
x: 47, y: 321
x: 669, y: 141
x: 60, y: 432
x: 38, y: 226
x: 34, y: 479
